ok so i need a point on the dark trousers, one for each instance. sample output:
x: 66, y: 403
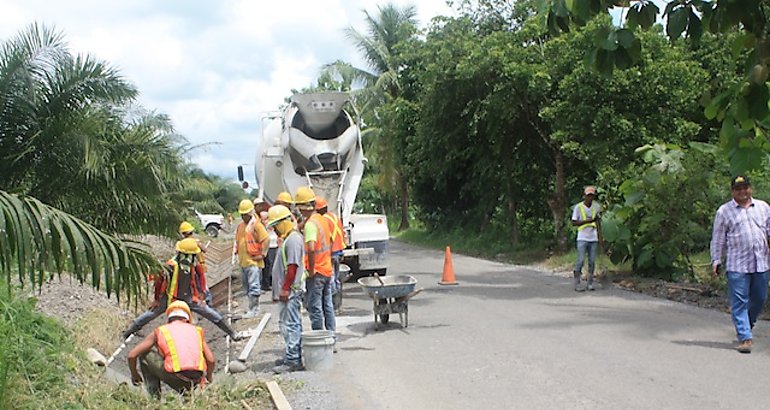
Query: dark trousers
x: 153, y: 373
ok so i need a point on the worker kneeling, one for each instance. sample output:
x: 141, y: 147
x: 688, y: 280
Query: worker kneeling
x: 182, y: 358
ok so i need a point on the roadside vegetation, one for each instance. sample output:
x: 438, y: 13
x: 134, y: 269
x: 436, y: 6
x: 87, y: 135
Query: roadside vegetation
x: 485, y: 127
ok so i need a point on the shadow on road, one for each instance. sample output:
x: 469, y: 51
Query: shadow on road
x: 705, y: 343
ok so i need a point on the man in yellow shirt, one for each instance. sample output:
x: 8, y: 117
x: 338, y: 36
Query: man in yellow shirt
x: 251, y: 240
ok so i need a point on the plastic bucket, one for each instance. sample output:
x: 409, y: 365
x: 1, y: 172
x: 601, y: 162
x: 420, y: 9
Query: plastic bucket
x: 318, y: 349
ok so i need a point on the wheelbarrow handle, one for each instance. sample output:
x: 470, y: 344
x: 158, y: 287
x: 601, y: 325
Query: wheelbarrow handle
x: 410, y: 295
x: 379, y: 279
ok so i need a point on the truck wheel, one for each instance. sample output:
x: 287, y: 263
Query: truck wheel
x: 212, y: 230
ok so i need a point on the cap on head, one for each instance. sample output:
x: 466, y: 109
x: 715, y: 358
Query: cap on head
x: 188, y: 246
x: 740, y: 181
x: 245, y: 207
x: 186, y: 227
x: 589, y: 190
x: 320, y: 203
x: 178, y: 308
x: 258, y: 201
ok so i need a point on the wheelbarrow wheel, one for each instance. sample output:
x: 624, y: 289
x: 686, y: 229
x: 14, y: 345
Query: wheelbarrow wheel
x: 384, y: 319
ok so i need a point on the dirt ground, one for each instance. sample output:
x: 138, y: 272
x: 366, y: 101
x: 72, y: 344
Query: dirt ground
x: 81, y: 307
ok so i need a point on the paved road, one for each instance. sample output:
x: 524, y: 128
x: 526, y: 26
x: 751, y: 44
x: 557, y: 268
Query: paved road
x: 510, y: 337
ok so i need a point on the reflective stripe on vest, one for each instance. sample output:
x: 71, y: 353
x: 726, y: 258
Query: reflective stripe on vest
x: 323, y: 255
x: 294, y: 285
x: 338, y: 238
x: 585, y: 217
x: 253, y: 246
x: 172, y: 289
x: 181, y: 345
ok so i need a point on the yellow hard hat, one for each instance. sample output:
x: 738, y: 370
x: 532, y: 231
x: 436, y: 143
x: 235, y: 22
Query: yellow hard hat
x: 284, y: 197
x: 277, y: 213
x: 304, y: 195
x: 245, y: 206
x: 188, y: 246
x: 178, y: 308
x: 185, y: 227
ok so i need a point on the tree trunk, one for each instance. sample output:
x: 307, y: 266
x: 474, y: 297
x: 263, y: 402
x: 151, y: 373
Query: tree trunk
x: 512, y: 208
x: 557, y: 203
x: 404, y: 205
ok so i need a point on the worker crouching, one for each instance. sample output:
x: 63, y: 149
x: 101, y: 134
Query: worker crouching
x: 183, y: 359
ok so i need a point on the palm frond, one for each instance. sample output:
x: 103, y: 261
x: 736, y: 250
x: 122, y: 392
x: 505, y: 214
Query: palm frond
x: 37, y: 240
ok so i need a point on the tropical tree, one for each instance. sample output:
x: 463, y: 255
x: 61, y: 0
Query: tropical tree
x: 389, y: 28
x: 71, y: 138
x: 740, y: 106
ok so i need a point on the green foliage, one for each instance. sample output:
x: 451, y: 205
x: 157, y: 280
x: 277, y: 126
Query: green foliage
x: 741, y: 107
x: 667, y: 212
x: 36, y: 239
x: 36, y: 357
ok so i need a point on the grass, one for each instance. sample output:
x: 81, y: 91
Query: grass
x: 43, y: 365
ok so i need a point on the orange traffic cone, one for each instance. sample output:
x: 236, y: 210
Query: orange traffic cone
x: 448, y: 276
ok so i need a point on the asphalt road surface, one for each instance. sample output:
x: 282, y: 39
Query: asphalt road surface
x: 509, y: 337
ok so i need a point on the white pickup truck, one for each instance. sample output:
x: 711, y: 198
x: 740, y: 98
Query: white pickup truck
x: 211, y: 223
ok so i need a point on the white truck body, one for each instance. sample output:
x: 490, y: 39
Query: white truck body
x: 315, y: 142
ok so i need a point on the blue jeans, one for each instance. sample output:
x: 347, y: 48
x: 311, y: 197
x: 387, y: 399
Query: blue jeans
x: 148, y: 316
x: 319, y: 302
x: 584, y: 247
x: 290, y: 324
x: 336, y: 284
x: 747, y: 295
x: 250, y: 279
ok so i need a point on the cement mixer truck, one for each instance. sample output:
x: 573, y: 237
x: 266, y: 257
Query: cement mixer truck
x: 316, y: 141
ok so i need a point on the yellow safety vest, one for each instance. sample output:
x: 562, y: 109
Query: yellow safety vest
x: 585, y: 217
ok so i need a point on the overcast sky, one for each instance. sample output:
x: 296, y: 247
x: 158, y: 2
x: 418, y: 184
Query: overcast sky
x: 212, y: 65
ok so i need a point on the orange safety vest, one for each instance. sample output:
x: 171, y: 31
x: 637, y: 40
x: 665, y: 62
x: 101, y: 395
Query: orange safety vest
x: 335, y: 227
x: 253, y: 246
x: 172, y: 288
x: 181, y: 345
x: 323, y: 254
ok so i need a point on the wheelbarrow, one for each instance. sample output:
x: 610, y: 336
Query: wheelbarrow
x: 390, y: 294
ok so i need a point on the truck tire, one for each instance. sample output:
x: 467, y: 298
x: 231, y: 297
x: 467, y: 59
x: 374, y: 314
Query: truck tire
x: 212, y: 230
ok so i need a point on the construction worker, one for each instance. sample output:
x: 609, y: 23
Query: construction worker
x: 260, y: 208
x: 182, y: 359
x: 288, y: 281
x: 251, y: 241
x: 318, y: 262
x: 186, y: 230
x: 180, y: 282
x: 285, y: 199
x: 337, y: 240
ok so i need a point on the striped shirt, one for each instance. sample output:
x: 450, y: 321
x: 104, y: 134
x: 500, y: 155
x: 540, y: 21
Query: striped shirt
x: 740, y: 235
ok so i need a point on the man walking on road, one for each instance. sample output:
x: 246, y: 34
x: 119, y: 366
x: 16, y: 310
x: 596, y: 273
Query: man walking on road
x: 251, y: 241
x: 183, y: 357
x: 288, y: 280
x: 586, y: 217
x: 741, y: 228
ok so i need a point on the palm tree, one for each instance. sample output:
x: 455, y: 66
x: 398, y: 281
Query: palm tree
x: 387, y: 29
x: 70, y: 138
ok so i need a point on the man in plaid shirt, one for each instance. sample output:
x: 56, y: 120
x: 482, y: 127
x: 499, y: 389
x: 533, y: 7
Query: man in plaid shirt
x: 741, y: 228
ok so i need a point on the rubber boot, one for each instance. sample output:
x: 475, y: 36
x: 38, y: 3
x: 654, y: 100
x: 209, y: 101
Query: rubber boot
x: 227, y: 329
x: 253, y: 307
x: 576, y: 274
x: 590, y: 283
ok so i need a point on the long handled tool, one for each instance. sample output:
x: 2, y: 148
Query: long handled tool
x: 119, y: 349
